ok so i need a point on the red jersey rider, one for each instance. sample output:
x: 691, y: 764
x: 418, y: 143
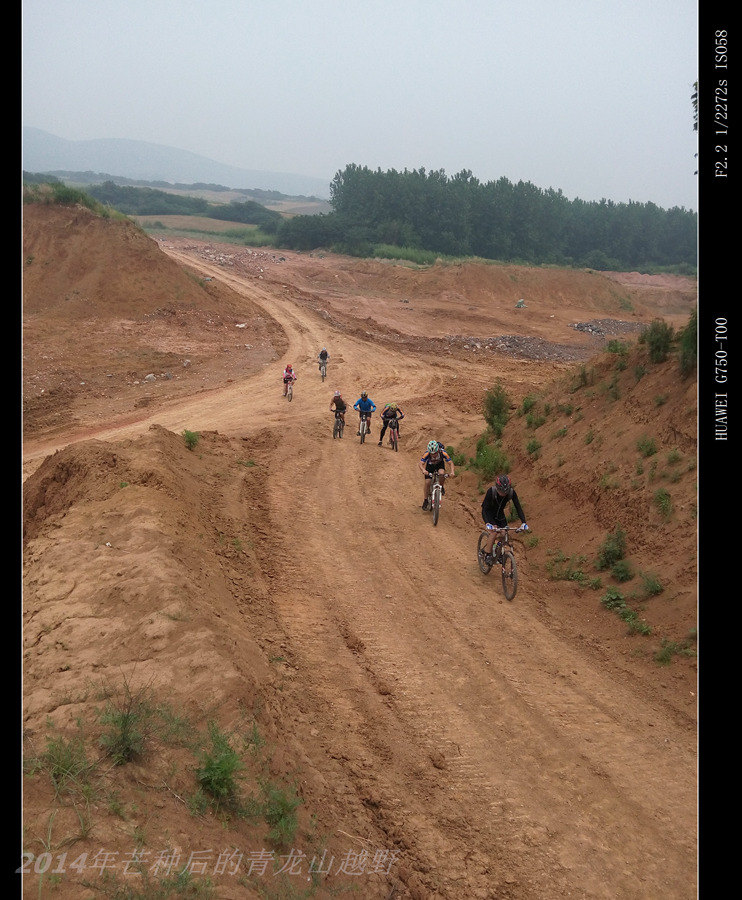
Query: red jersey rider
x: 288, y: 376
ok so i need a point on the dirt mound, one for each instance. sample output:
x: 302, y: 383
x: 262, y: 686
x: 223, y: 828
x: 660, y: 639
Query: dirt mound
x: 263, y: 602
x: 109, y: 318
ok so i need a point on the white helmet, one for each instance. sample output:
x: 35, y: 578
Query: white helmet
x: 433, y: 447
x: 337, y: 393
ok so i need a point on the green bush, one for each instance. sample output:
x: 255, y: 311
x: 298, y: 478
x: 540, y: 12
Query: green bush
x: 646, y: 446
x: 663, y: 503
x: 220, y: 767
x: 279, y: 811
x: 490, y: 459
x: 612, y: 549
x: 191, y: 438
x: 658, y: 337
x: 622, y: 570
x: 496, y: 408
x: 688, y: 346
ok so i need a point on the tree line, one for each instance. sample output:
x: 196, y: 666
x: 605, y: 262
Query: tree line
x: 143, y: 201
x: 499, y: 220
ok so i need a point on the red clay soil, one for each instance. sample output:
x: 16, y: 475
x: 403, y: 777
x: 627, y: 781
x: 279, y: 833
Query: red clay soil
x: 286, y: 591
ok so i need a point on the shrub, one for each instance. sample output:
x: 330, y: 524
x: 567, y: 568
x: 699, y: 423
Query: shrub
x: 612, y: 549
x: 658, y: 338
x: 490, y: 461
x: 191, y: 438
x: 279, y: 811
x: 533, y: 448
x: 616, y: 346
x: 496, y: 408
x: 688, y: 346
x: 220, y: 767
x: 651, y: 584
x: 622, y: 570
x: 663, y: 503
x: 646, y: 446
x: 129, y: 721
x: 613, y: 600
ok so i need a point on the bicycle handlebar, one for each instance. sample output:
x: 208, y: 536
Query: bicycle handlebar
x: 489, y: 527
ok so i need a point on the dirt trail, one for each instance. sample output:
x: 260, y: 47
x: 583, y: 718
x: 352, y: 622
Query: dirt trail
x: 546, y: 763
x: 497, y: 752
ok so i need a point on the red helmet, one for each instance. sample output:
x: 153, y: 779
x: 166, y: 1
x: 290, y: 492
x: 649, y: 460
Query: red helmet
x: 502, y: 484
x: 288, y: 365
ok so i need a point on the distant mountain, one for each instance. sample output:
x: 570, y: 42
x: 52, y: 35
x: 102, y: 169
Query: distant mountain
x: 44, y: 152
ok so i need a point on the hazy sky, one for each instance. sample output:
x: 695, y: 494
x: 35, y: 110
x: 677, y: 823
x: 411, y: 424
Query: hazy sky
x: 590, y: 96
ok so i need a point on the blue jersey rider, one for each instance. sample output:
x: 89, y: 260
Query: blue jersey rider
x: 364, y: 404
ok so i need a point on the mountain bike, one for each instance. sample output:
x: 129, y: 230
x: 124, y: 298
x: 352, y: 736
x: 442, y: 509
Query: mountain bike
x: 393, y: 428
x: 504, y: 556
x: 338, y: 426
x: 363, y: 427
x: 289, y: 390
x: 323, y: 369
x: 436, y: 495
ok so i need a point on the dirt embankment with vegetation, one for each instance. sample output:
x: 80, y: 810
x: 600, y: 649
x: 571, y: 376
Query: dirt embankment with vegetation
x: 253, y: 667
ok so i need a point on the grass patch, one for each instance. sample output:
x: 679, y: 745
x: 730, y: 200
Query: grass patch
x: 613, y: 600
x: 646, y: 446
x: 669, y: 649
x: 663, y: 503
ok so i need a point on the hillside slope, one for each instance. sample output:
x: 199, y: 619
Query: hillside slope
x: 402, y: 730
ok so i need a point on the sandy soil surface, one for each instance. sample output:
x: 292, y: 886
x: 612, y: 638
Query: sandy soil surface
x: 443, y: 742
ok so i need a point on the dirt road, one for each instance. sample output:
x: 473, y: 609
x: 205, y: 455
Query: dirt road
x: 500, y: 755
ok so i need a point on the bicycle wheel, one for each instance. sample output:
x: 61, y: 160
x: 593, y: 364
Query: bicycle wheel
x: 395, y: 439
x: 289, y: 392
x: 509, y: 574
x: 336, y: 429
x: 323, y: 370
x: 436, y: 502
x: 342, y: 427
x: 363, y: 431
x: 480, y: 554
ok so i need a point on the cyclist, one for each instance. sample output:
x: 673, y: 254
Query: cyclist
x: 322, y: 357
x: 339, y: 404
x: 433, y: 460
x: 364, y: 404
x: 288, y: 376
x: 495, y: 500
x: 390, y: 411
